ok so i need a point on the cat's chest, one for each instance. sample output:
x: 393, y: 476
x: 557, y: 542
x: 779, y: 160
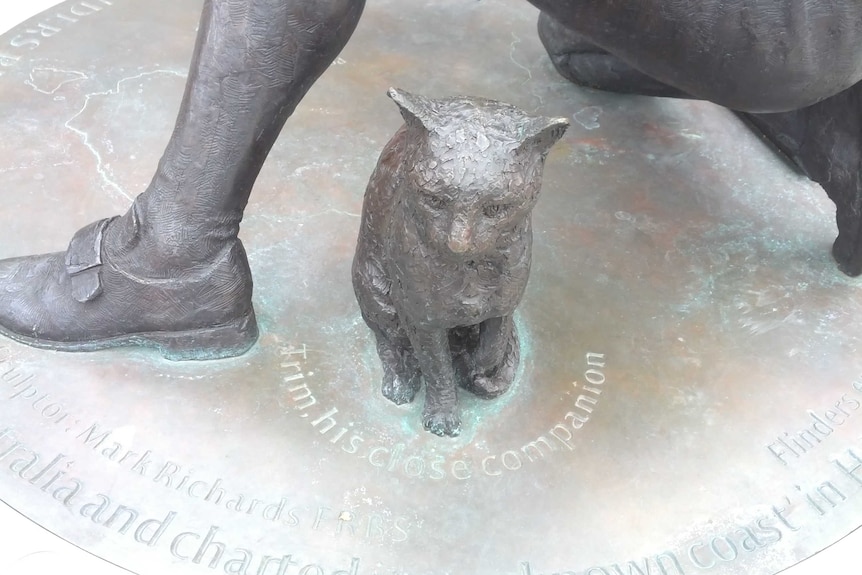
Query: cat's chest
x: 449, y: 294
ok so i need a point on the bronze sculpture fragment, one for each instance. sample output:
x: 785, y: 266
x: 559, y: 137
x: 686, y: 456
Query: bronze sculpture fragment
x: 791, y: 69
x: 171, y: 273
x: 444, y: 248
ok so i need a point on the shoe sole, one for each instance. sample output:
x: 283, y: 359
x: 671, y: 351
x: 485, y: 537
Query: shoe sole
x: 215, y: 342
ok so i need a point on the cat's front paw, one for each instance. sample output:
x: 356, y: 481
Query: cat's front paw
x: 442, y: 422
x: 400, y: 390
x: 496, y: 381
x: 493, y: 385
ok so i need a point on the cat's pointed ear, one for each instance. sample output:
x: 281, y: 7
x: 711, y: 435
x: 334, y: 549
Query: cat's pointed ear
x: 542, y: 133
x: 415, y: 110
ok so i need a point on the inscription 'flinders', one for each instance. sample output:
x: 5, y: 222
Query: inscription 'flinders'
x: 790, y: 446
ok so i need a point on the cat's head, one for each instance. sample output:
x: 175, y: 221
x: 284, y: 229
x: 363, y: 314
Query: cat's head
x: 474, y: 170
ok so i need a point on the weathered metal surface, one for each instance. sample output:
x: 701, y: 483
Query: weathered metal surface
x: 689, y: 398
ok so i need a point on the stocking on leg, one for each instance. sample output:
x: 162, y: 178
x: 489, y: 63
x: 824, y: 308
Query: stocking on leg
x: 793, y: 73
x: 749, y: 56
x: 171, y: 272
x: 585, y: 64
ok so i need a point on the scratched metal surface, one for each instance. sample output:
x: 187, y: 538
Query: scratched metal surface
x: 682, y: 321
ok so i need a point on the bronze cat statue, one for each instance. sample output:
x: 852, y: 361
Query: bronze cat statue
x: 444, y: 248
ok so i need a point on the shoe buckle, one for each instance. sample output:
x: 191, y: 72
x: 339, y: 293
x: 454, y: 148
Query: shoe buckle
x: 84, y: 261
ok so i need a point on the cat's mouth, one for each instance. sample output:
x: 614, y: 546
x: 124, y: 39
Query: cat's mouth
x: 488, y: 264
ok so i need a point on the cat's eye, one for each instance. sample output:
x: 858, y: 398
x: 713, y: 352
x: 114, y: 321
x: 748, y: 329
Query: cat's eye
x: 497, y: 210
x: 433, y: 201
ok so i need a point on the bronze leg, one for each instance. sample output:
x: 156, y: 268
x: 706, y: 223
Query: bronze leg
x: 171, y: 272
x: 431, y: 348
x: 825, y: 141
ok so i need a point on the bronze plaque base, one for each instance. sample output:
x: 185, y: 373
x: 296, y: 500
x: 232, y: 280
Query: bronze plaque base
x: 690, y: 398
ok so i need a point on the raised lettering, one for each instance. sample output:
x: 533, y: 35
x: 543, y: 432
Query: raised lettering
x: 265, y: 562
x: 696, y: 560
x: 578, y: 421
x: 417, y: 464
x: 66, y: 17
x: 374, y: 452
x: 29, y: 390
x: 827, y: 490
x: 851, y: 471
x: 437, y: 467
x: 485, y: 466
x: 731, y: 554
x: 750, y: 542
x: 207, y: 544
x: 634, y: 568
x: 511, y: 460
x: 65, y: 494
x: 779, y: 514
x: 327, y: 419
x: 293, y: 351
x: 160, y: 528
x: 304, y: 395
x: 175, y: 544
x: 22, y: 464
x: 93, y: 436
x: 674, y: 563
x: 353, y: 444
x: 45, y: 30
x: 141, y: 466
x: 52, y: 409
x: 400, y: 532
x: 534, y: 447
x: 84, y: 9
x: 774, y: 532
x: 166, y: 473
x: 132, y: 516
x: 112, y: 451
x: 215, y: 493
x: 45, y: 469
x: 585, y: 403
x: 460, y: 469
x: 558, y: 431
x: 595, y: 359
x: 595, y: 377
x: 238, y: 566
x: 321, y: 511
x: 94, y: 510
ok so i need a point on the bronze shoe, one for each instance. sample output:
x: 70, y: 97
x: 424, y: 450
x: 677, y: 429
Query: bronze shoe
x: 82, y: 300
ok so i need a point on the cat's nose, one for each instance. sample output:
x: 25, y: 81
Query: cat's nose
x: 459, y: 237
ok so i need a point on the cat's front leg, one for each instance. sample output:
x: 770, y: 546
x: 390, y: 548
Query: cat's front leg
x: 401, y: 375
x: 495, y: 359
x: 431, y: 348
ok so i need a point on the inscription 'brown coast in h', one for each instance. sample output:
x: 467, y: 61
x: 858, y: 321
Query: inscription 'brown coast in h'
x: 49, y: 25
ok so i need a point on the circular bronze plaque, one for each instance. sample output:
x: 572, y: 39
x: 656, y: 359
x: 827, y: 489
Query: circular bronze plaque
x: 690, y: 397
